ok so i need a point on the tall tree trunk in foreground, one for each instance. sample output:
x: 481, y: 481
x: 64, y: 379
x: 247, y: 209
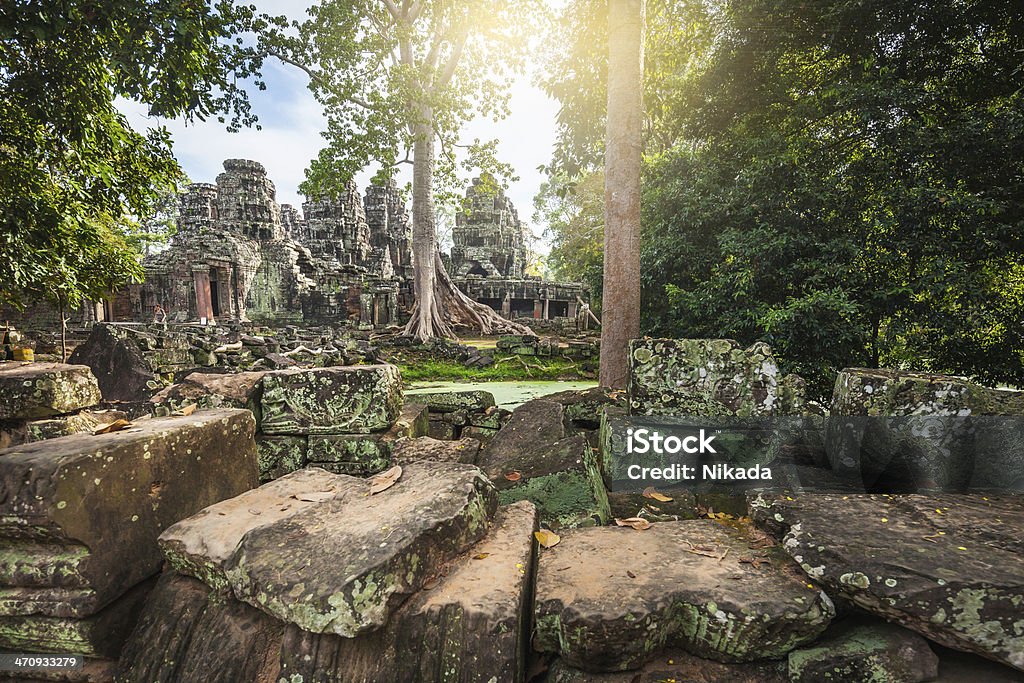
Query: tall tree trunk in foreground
x: 620, y: 308
x: 440, y: 305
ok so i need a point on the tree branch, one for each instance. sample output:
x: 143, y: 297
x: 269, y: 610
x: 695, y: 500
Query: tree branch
x: 453, y: 60
x: 393, y: 9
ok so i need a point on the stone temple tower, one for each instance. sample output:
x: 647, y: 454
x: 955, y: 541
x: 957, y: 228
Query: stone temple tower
x: 490, y: 240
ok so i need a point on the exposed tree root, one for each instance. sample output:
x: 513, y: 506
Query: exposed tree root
x: 449, y: 309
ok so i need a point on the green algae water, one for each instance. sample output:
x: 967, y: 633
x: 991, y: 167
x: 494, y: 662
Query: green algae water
x: 508, y: 395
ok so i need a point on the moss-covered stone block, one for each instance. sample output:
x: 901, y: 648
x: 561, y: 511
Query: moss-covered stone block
x: 267, y: 545
x: 338, y: 400
x: 35, y: 390
x: 281, y: 455
x: 610, y: 598
x: 865, y: 651
x: 706, y: 377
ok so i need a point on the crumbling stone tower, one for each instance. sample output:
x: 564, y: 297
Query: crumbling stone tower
x: 390, y: 227
x: 490, y: 240
x: 336, y: 230
x: 246, y: 201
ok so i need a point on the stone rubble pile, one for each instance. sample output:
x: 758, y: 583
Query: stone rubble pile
x: 47, y: 400
x: 80, y: 516
x: 339, y: 569
x: 461, y: 414
x: 133, y: 360
x: 530, y: 345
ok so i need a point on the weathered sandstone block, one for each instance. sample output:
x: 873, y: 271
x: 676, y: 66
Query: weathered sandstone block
x: 34, y: 390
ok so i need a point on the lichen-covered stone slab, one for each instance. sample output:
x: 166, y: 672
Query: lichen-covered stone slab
x: 949, y: 567
x: 470, y: 624
x: 675, y: 666
x: 337, y: 400
x: 34, y: 390
x: 450, y: 401
x: 865, y: 651
x: 83, y: 512
x: 99, y: 635
x: 427, y: 448
x: 911, y: 431
x: 701, y: 377
x: 609, y: 598
x: 880, y: 392
x: 268, y: 545
x: 281, y: 455
x: 355, y: 454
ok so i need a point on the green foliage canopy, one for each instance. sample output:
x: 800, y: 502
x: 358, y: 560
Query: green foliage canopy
x: 75, y: 179
x: 845, y: 181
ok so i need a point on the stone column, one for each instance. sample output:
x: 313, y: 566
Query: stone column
x: 538, y: 309
x: 204, y: 305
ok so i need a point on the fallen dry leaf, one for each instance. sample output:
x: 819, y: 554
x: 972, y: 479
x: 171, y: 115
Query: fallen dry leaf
x: 514, y: 475
x: 115, y: 426
x: 651, y: 492
x: 638, y: 523
x: 547, y: 538
x: 385, y: 480
x: 185, y: 411
x: 481, y: 556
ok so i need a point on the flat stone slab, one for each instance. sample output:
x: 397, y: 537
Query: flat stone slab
x: 450, y: 401
x: 950, y: 567
x: 83, y: 512
x: 34, y: 390
x: 356, y: 399
x: 210, y: 390
x: 99, y: 635
x: 865, y: 650
x: 427, y: 448
x: 609, y: 598
x: 267, y: 545
x: 469, y: 624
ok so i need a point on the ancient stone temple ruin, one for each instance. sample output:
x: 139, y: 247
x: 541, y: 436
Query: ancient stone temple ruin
x: 238, y: 255
x: 489, y: 261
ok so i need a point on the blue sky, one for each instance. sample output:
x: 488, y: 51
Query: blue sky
x: 292, y: 121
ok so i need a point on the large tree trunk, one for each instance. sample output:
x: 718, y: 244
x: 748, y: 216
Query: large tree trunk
x: 440, y: 306
x: 620, y: 306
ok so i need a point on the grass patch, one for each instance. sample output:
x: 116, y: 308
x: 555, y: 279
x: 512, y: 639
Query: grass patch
x: 506, y: 369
